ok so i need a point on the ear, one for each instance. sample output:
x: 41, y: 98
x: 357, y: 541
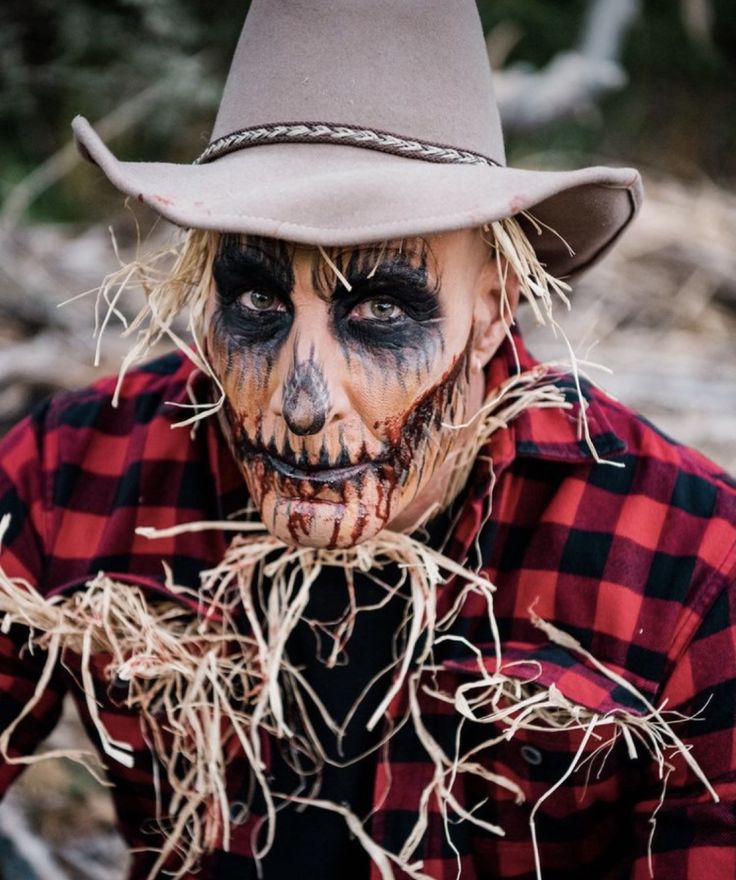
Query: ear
x: 496, y: 300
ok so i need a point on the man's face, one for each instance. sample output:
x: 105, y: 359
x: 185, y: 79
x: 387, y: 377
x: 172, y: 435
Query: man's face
x: 340, y: 397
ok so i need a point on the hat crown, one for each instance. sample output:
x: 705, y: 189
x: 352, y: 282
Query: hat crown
x: 413, y: 68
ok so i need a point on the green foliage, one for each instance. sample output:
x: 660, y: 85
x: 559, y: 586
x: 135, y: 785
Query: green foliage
x: 90, y: 57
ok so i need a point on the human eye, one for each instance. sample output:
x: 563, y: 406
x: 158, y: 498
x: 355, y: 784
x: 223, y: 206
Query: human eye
x: 261, y: 301
x: 378, y: 308
x: 252, y: 315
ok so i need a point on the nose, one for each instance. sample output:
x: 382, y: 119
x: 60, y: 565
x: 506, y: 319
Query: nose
x: 308, y: 400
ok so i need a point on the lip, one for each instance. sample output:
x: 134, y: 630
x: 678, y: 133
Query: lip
x: 318, y: 475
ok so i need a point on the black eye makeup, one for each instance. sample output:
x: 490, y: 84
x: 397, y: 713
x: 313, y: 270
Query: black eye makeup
x: 246, y: 264
x: 390, y: 302
x: 253, y: 280
x: 389, y: 306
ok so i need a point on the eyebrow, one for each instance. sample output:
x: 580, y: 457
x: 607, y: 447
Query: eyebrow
x: 374, y: 265
x: 264, y: 257
x: 392, y: 271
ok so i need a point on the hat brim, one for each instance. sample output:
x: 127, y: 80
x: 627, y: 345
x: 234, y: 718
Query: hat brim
x: 326, y: 194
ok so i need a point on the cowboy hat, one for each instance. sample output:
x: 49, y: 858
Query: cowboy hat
x: 363, y: 120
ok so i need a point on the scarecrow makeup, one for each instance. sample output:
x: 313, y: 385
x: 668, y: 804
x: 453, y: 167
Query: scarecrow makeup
x: 343, y: 371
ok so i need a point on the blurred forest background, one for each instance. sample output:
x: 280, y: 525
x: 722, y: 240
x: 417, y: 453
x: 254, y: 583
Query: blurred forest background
x: 648, y: 83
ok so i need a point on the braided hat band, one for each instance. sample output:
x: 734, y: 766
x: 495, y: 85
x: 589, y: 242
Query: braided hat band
x: 403, y: 81
x: 353, y: 136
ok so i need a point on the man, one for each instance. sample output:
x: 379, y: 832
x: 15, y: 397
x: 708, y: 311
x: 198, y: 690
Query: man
x: 476, y: 619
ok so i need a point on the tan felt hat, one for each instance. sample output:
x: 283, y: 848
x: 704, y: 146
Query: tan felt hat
x: 352, y: 121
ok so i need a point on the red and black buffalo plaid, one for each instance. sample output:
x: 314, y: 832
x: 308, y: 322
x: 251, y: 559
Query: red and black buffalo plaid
x: 636, y: 563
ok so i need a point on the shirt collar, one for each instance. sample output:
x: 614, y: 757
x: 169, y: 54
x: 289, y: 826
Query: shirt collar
x: 552, y: 434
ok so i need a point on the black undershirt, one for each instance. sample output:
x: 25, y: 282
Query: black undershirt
x: 312, y: 843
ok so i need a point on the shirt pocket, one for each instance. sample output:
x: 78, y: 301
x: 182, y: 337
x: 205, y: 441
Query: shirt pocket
x: 555, y: 772
x: 547, y: 720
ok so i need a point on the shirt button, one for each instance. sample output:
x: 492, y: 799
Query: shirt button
x: 119, y: 684
x: 238, y: 812
x: 531, y: 755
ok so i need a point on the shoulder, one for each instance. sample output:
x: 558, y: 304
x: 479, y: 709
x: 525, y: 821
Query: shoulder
x: 645, y: 442
x: 673, y: 499
x: 631, y: 553
x: 100, y: 441
x: 98, y: 426
x: 70, y: 423
x: 80, y: 467
x: 71, y: 451
x: 146, y: 392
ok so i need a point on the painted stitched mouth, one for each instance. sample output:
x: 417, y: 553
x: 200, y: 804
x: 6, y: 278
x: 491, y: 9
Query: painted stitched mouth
x: 298, y: 465
x: 318, y: 473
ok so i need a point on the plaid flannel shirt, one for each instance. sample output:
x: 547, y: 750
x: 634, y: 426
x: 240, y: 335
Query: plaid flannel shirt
x: 637, y: 563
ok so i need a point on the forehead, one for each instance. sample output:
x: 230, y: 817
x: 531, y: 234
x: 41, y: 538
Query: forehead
x: 330, y: 271
x: 413, y: 248
x: 431, y: 254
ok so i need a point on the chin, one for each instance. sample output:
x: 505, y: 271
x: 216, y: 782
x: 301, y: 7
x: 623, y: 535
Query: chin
x: 332, y: 508
x: 326, y: 525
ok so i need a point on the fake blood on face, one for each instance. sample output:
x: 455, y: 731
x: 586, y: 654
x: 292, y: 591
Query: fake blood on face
x: 415, y: 445
x: 300, y: 521
x: 434, y: 407
x: 330, y: 417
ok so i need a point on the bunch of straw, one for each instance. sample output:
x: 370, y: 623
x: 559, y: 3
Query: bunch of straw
x: 192, y: 681
x: 199, y: 684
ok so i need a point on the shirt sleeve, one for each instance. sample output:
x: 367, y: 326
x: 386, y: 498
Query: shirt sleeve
x: 23, y: 477
x: 689, y: 836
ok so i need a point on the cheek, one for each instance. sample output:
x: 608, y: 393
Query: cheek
x: 383, y: 396
x: 244, y: 373
x: 389, y: 388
